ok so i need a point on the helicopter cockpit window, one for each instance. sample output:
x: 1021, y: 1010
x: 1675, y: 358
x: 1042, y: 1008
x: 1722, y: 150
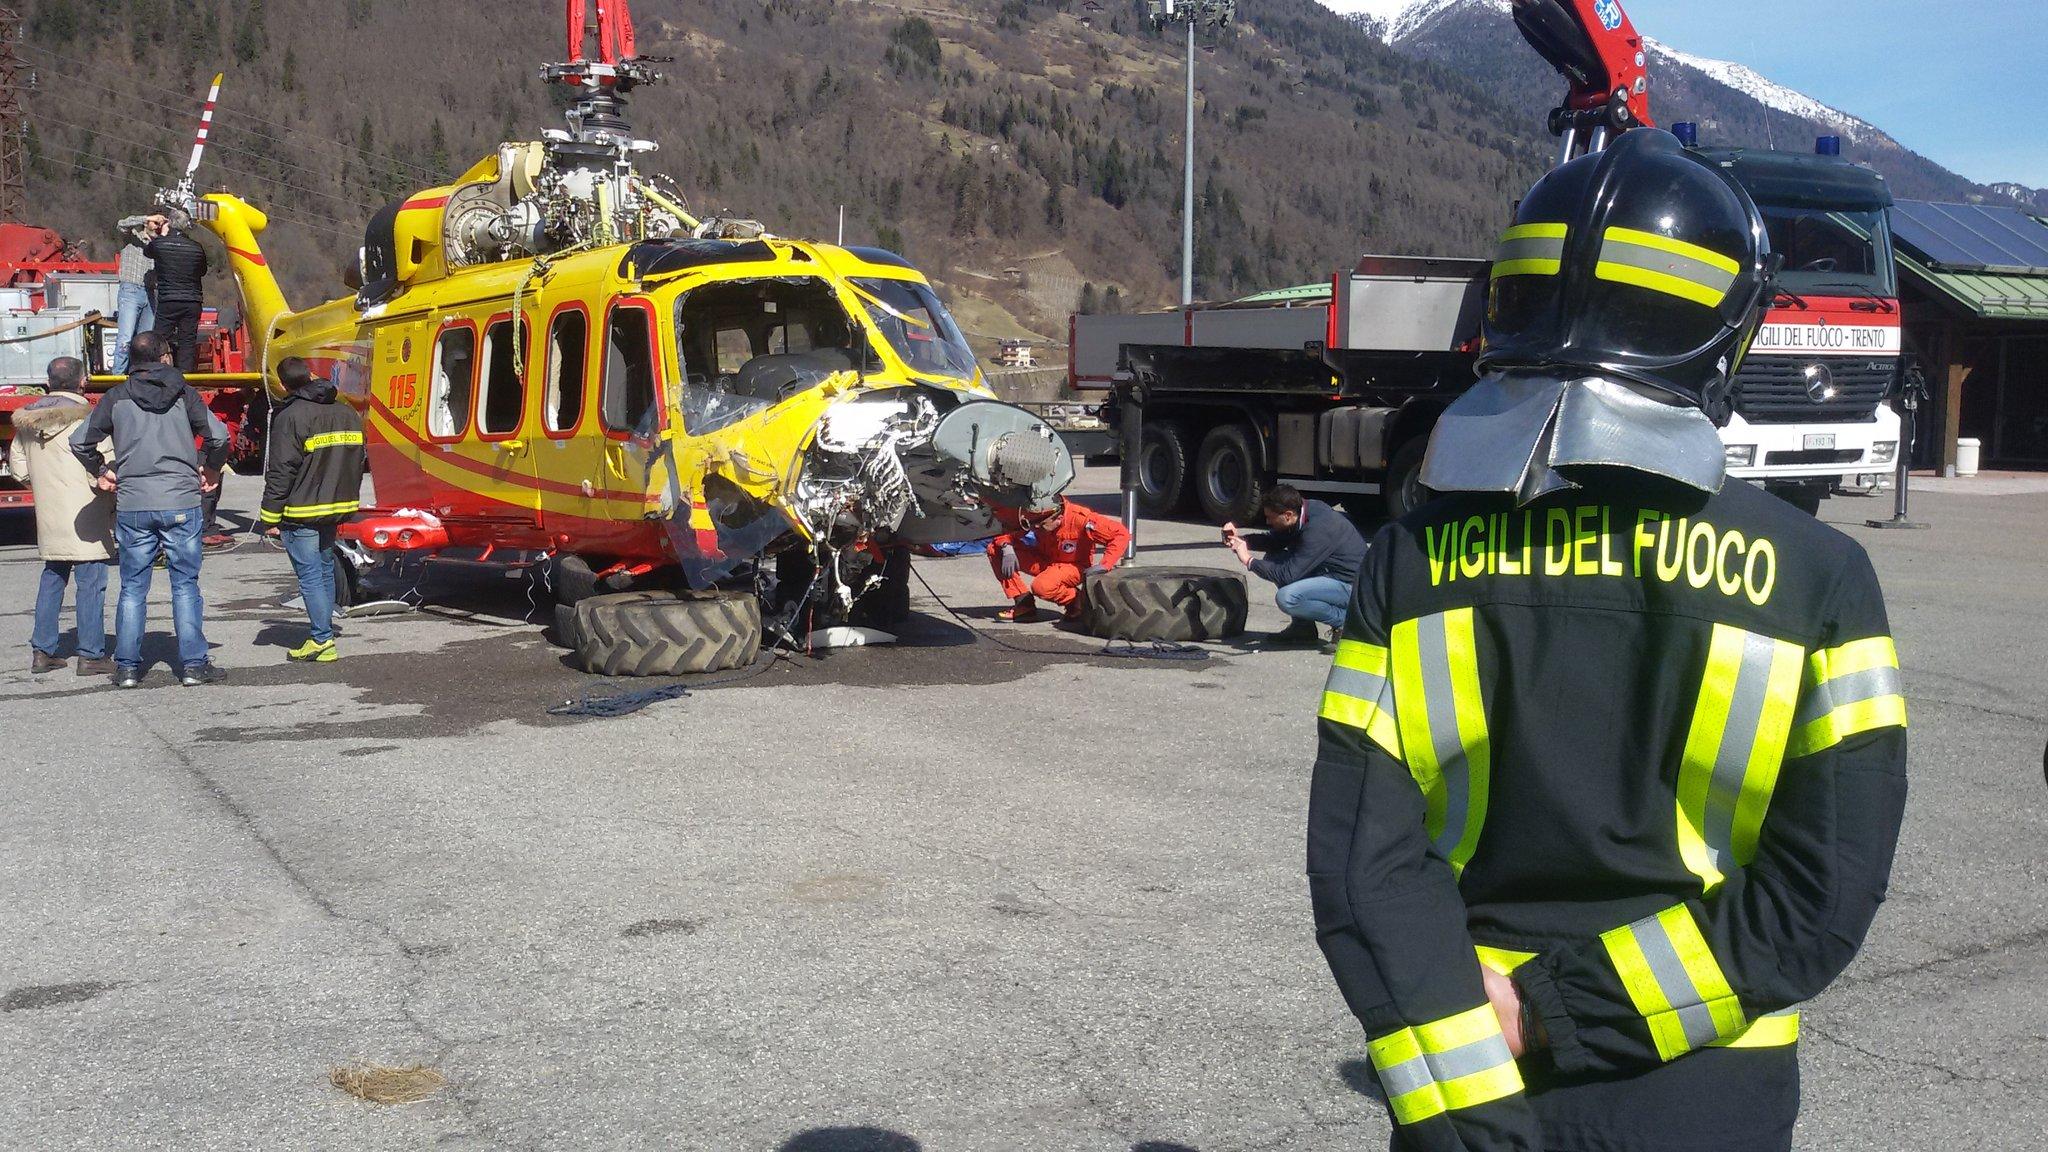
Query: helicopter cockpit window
x: 502, y: 401
x: 454, y: 374
x: 918, y: 327
x: 629, y: 370
x: 746, y: 345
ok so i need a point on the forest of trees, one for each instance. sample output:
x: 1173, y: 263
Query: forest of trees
x: 971, y: 134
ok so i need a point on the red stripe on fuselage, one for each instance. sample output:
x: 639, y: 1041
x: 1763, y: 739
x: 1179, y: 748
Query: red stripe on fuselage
x: 479, y: 468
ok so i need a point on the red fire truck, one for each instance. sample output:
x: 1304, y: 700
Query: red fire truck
x: 55, y: 300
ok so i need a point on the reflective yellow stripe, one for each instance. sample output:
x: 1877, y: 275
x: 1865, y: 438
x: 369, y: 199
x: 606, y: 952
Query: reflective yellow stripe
x: 1733, y: 749
x: 1441, y: 711
x: 1772, y: 1030
x: 1849, y: 690
x: 1357, y: 694
x: 1549, y: 230
x: 270, y: 517
x: 304, y: 511
x: 1533, y: 266
x: 1675, y: 247
x: 1457, y: 1062
x: 1502, y: 960
x: 1674, y: 982
x: 332, y: 440
x: 1663, y: 282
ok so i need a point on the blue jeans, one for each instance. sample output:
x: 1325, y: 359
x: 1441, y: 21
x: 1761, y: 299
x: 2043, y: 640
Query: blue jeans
x: 312, y: 552
x: 142, y: 535
x: 1323, y: 599
x: 91, y: 610
x: 132, y: 313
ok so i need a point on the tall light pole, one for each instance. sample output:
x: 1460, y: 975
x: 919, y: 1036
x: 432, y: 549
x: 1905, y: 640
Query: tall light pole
x: 1215, y: 14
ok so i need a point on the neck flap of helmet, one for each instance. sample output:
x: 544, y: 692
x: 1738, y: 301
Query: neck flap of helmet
x: 1531, y: 433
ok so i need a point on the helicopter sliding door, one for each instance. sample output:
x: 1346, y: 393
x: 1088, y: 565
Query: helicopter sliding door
x: 502, y: 454
x: 600, y: 403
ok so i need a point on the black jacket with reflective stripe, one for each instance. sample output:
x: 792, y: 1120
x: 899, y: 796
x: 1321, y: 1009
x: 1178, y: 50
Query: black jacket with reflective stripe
x: 313, y: 470
x: 1549, y: 726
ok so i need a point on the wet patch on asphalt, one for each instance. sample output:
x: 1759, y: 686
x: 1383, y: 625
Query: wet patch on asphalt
x: 34, y: 996
x: 646, y: 928
x: 512, y: 673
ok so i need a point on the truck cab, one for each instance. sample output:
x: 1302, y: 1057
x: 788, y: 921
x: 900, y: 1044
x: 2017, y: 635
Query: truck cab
x: 1810, y: 396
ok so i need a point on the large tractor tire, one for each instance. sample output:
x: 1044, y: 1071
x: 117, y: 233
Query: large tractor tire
x: 569, y: 633
x: 1227, y: 477
x: 647, y: 634
x: 1165, y: 604
x: 1163, y: 465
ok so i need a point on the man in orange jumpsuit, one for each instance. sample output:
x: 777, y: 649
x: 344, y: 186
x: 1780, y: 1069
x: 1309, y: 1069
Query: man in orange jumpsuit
x: 1057, y: 560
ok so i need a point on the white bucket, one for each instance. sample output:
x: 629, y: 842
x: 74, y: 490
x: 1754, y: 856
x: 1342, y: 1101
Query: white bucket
x: 1968, y: 449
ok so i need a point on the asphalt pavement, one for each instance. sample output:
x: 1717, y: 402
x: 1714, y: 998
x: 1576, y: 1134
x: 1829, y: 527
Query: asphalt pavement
x: 948, y: 896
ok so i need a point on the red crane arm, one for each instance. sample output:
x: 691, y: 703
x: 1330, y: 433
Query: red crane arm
x: 614, y: 30
x: 1595, y: 46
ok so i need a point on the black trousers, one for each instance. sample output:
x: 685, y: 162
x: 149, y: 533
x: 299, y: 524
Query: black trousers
x: 178, y: 322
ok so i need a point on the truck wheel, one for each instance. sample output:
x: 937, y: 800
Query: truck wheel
x: 1165, y: 604
x: 1163, y: 468
x: 1805, y: 497
x: 1403, y: 486
x: 635, y: 634
x: 1227, y: 479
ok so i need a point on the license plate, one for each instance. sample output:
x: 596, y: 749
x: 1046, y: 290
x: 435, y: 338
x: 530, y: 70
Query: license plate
x: 1819, y: 440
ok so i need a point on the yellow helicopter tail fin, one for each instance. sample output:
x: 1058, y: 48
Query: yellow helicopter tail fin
x: 238, y: 223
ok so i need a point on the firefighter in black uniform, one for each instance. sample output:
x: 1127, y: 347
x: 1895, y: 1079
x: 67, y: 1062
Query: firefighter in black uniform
x: 1631, y: 737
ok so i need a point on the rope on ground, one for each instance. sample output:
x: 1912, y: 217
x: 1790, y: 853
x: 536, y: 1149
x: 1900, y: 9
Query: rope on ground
x: 607, y: 705
x: 1156, y: 650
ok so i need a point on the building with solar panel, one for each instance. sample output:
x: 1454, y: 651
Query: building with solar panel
x: 1974, y: 291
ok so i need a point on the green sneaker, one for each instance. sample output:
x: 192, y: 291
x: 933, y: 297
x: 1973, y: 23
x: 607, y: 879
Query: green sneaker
x: 314, y: 652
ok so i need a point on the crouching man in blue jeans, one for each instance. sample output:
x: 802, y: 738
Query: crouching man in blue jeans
x: 158, y: 478
x: 1312, y: 553
x: 312, y: 481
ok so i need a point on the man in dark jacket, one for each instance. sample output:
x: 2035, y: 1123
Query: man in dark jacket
x: 158, y: 477
x: 1594, y: 807
x: 1312, y: 553
x: 312, y: 481
x: 180, y: 291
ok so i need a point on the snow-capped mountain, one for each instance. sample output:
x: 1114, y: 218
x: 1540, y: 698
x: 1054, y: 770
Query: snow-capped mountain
x: 1769, y: 93
x: 1733, y: 104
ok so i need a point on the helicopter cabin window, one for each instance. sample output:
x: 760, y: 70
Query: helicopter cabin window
x: 745, y: 345
x: 568, y: 337
x: 629, y: 370
x: 454, y: 376
x: 502, y: 401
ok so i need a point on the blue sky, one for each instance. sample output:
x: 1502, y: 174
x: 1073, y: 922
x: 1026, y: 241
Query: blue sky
x: 1963, y: 83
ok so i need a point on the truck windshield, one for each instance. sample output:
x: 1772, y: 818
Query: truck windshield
x: 918, y: 327
x: 1840, y: 253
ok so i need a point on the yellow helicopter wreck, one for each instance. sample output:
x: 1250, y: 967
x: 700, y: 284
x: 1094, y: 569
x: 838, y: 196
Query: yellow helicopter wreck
x: 561, y: 369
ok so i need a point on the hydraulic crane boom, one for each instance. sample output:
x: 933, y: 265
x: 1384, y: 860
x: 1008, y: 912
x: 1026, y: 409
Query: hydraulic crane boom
x: 1595, y: 46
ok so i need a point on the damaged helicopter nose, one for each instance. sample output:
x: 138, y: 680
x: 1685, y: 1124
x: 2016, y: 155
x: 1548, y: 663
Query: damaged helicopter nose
x: 908, y: 464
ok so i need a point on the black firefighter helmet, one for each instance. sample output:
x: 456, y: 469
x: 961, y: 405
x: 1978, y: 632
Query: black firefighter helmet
x: 1643, y: 263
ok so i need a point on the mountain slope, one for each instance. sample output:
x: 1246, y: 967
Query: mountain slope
x: 1014, y: 150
